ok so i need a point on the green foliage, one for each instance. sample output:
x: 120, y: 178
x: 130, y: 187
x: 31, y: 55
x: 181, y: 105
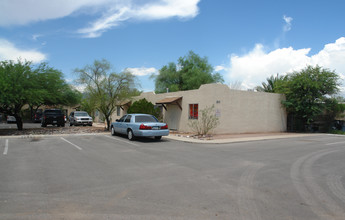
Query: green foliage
x: 190, y: 72
x: 17, y: 86
x: 22, y: 83
x: 272, y: 83
x: 145, y: 107
x: 206, y: 122
x: 337, y: 132
x: 106, y: 88
x: 88, y: 104
x: 307, y: 92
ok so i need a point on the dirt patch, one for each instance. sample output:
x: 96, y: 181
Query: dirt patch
x: 53, y: 130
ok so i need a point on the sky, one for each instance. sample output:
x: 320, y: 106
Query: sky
x: 245, y: 41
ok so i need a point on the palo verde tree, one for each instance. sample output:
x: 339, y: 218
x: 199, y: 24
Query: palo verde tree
x: 190, y: 72
x: 104, y: 87
x: 22, y: 83
x: 308, y: 91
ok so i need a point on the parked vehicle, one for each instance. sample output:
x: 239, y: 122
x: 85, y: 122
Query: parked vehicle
x: 80, y: 118
x: 11, y: 119
x: 37, y: 117
x: 53, y: 117
x: 139, y: 125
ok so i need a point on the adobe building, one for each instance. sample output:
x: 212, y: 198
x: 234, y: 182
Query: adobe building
x: 238, y: 111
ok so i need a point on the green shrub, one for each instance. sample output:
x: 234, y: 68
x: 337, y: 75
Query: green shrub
x: 145, y: 107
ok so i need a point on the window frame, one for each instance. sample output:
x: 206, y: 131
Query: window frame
x: 193, y: 112
x: 118, y: 110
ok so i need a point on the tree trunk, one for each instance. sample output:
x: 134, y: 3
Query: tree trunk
x: 108, y: 123
x: 19, y: 122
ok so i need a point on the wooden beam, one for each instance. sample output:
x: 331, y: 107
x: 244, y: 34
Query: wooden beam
x: 165, y: 107
x: 179, y: 105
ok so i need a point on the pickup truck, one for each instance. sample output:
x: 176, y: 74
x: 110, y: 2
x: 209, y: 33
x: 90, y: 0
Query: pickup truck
x: 53, y: 117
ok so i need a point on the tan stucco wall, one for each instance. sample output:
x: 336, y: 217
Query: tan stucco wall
x: 238, y: 111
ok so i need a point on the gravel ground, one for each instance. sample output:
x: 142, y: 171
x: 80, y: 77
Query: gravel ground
x: 54, y: 130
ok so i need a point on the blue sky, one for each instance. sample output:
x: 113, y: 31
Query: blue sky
x: 246, y: 41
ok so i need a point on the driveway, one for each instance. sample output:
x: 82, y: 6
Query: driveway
x: 104, y: 177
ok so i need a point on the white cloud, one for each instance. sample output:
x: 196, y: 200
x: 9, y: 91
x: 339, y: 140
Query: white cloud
x: 8, y: 51
x: 142, y: 71
x: 254, y: 67
x: 111, y: 12
x: 287, y: 26
x: 19, y: 12
x: 36, y: 36
x: 219, y: 68
x: 153, y: 10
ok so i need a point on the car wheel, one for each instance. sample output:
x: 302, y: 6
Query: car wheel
x: 113, y: 133
x: 63, y: 125
x: 130, y: 135
x: 70, y: 124
x: 158, y: 137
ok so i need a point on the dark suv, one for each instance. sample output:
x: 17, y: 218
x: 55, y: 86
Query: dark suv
x: 53, y: 117
x: 37, y: 117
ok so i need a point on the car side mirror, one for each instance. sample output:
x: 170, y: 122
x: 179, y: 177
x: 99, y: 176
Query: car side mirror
x: 117, y: 120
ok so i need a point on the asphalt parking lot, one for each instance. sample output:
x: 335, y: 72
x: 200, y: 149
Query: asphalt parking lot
x: 104, y: 177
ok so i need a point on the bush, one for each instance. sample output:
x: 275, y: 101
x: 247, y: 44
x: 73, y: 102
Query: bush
x: 145, y: 107
x: 337, y: 132
x: 207, y: 122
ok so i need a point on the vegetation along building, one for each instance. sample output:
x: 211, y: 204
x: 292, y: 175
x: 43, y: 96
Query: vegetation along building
x: 238, y: 111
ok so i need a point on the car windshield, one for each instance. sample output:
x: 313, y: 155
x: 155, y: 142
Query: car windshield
x: 81, y: 114
x: 145, y: 118
x: 49, y: 112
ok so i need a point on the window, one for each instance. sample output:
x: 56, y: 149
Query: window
x: 145, y: 118
x: 118, y: 110
x: 128, y: 119
x: 193, y: 111
x: 122, y: 118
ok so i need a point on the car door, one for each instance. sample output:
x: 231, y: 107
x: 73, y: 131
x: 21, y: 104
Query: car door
x: 127, y: 123
x: 119, y: 125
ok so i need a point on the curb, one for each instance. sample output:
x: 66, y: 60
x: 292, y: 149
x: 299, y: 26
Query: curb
x: 238, y: 139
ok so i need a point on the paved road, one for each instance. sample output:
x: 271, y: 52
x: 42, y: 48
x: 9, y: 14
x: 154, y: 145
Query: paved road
x: 105, y: 177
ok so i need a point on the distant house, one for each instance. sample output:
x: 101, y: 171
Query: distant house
x: 238, y: 111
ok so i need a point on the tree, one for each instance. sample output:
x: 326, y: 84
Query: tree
x: 88, y: 104
x: 271, y: 84
x: 16, y: 88
x: 22, y: 83
x: 145, y: 107
x: 51, y: 89
x: 190, y: 72
x: 105, y: 88
x: 307, y: 92
x: 207, y: 122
